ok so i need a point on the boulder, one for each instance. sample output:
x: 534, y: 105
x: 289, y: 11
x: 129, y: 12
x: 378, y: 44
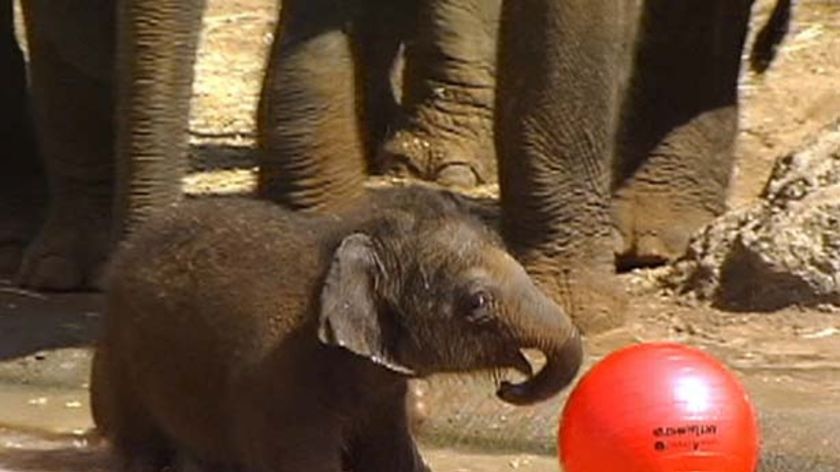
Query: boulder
x: 784, y: 250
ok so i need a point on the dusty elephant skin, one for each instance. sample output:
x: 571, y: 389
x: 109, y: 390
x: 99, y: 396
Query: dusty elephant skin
x: 625, y: 152
x: 331, y: 107
x: 115, y: 147
x: 99, y: 130
x: 614, y: 121
x: 65, y: 116
x: 239, y: 334
x: 444, y: 132
x: 593, y: 162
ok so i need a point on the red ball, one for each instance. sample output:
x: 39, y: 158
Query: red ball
x: 659, y: 407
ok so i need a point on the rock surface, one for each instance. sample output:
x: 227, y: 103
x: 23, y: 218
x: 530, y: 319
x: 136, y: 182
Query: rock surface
x: 784, y: 250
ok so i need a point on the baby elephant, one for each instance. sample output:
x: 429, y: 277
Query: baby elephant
x: 242, y: 336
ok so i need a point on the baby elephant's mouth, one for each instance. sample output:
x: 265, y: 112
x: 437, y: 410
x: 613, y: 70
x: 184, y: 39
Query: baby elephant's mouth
x: 561, y: 366
x: 515, y: 359
x: 520, y: 363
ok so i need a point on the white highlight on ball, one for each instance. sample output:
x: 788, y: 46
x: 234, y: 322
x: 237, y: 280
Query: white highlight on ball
x: 694, y: 392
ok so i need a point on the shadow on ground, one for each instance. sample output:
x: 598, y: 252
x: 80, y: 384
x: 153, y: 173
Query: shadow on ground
x: 31, y: 322
x: 222, y: 152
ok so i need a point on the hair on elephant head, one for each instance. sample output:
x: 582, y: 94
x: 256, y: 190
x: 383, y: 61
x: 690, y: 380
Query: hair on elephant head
x: 429, y: 289
x: 231, y: 319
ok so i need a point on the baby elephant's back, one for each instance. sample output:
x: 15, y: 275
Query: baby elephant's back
x: 212, y: 258
x: 202, y: 292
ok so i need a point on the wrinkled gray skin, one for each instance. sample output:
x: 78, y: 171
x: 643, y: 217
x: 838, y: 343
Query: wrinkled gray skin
x: 329, y: 53
x: 60, y: 242
x: 587, y: 169
x: 614, y: 125
x: 614, y: 122
x: 330, y: 109
x: 243, y: 336
x: 618, y: 138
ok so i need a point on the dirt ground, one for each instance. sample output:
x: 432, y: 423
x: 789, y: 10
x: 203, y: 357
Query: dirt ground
x: 789, y: 360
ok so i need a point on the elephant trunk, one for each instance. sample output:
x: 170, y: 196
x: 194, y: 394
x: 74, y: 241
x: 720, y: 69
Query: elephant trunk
x: 553, y: 333
x: 156, y: 46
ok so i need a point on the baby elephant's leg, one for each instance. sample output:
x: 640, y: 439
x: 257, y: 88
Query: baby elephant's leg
x: 187, y: 463
x: 384, y: 442
x: 286, y: 429
x: 298, y: 445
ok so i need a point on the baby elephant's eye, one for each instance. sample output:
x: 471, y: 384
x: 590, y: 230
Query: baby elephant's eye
x: 479, y: 304
x: 479, y: 300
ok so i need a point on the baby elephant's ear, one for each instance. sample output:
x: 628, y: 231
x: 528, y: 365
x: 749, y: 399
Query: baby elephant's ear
x: 349, y: 316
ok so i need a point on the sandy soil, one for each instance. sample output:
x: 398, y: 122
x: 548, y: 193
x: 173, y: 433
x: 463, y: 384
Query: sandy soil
x: 789, y: 360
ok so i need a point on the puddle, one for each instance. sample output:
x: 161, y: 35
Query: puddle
x: 46, y: 410
x: 28, y: 452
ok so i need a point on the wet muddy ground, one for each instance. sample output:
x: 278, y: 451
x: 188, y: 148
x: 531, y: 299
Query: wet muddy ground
x: 789, y: 360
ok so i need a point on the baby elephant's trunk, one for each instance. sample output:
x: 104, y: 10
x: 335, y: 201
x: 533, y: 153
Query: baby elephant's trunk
x: 553, y: 333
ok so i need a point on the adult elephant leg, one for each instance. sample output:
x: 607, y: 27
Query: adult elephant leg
x: 560, y: 73
x: 446, y: 131
x: 156, y: 47
x: 378, y: 32
x: 311, y: 147
x: 23, y: 190
x: 679, y: 126
x: 71, y: 62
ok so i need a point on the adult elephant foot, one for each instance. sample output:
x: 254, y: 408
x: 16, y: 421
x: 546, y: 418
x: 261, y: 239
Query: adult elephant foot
x: 15, y: 233
x: 654, y: 228
x: 71, y: 247
x: 448, y: 92
x: 448, y: 160
x: 23, y: 197
x: 679, y: 188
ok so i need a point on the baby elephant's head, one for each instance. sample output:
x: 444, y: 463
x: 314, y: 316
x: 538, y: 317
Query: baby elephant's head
x: 422, y: 292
